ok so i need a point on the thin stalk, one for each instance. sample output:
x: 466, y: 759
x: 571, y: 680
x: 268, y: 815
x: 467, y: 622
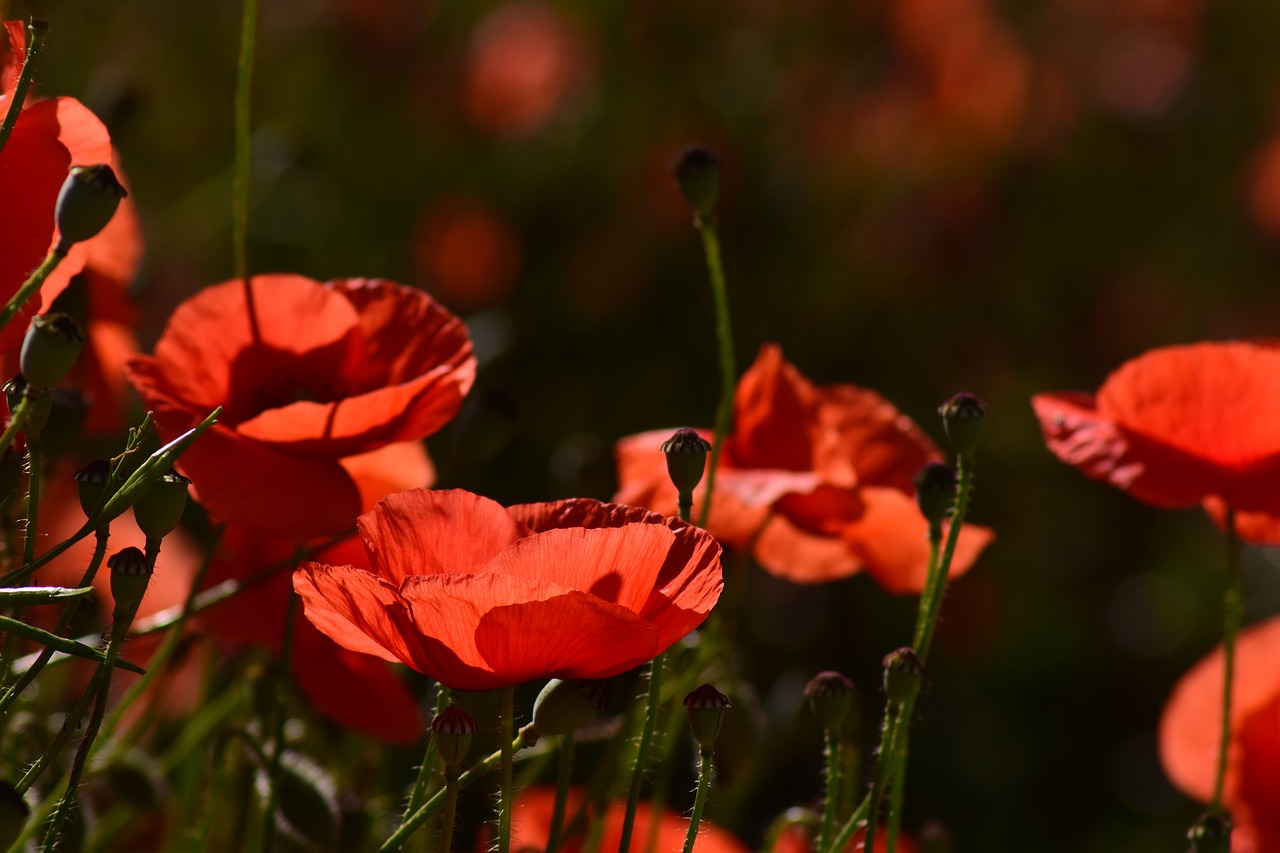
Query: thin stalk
x: 450, y: 807
x: 563, y: 778
x: 724, y: 337
x: 33, y: 498
x: 1232, y: 598
x: 832, y: 799
x: 36, y: 32
x: 16, y: 423
x: 78, y: 764
x: 926, y: 625
x: 419, y: 791
x: 32, y: 284
x: 507, y: 725
x: 699, y: 800
x: 652, y: 701
x: 282, y: 716
x: 240, y: 165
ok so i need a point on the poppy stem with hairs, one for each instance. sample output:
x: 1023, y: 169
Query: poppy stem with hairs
x: 419, y: 792
x: 281, y: 717
x: 652, y: 700
x: 506, y: 779
x: 724, y: 337
x: 1232, y: 595
x: 700, y: 799
x: 36, y: 32
x: 31, y: 285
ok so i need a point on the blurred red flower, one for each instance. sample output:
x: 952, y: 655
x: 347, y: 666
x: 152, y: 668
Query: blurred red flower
x: 478, y: 596
x: 795, y: 840
x: 1189, y: 736
x: 309, y: 376
x: 531, y: 826
x: 50, y: 136
x: 816, y: 480
x: 1181, y: 425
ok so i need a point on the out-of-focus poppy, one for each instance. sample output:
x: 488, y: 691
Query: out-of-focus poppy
x: 1181, y: 425
x: 468, y: 254
x: 795, y: 840
x: 309, y: 375
x: 817, y: 480
x: 478, y: 596
x: 49, y: 137
x: 531, y: 826
x: 1189, y: 736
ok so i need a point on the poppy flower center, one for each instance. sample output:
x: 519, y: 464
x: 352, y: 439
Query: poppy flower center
x: 264, y: 377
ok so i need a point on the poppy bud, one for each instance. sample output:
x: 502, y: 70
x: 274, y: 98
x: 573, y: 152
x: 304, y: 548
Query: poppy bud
x: 130, y: 574
x: 697, y: 171
x: 453, y: 729
x: 13, y: 814
x: 42, y: 11
x: 91, y: 483
x: 686, y: 453
x: 50, y: 349
x: 706, y: 711
x: 87, y: 201
x: 1210, y: 834
x: 159, y: 509
x: 563, y: 707
x: 38, y: 404
x: 936, y: 491
x: 902, y: 673
x: 830, y: 696
x: 963, y: 417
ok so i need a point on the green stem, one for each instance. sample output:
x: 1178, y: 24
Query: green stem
x: 31, y: 285
x: 77, y: 767
x: 832, y: 799
x: 33, y: 498
x: 36, y: 32
x: 928, y: 618
x: 898, y: 786
x: 450, y: 807
x: 240, y: 166
x: 15, y: 425
x: 653, y: 699
x: 563, y: 778
x: 282, y: 717
x: 724, y: 337
x: 699, y: 800
x: 888, y: 744
x: 1232, y: 597
x: 507, y: 724
x: 419, y: 791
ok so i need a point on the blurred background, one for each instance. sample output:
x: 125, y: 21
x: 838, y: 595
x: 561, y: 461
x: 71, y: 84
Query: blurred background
x: 920, y: 196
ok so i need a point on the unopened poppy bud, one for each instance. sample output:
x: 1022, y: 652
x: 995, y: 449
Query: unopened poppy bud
x: 42, y: 11
x: 936, y: 491
x: 452, y: 730
x: 39, y: 404
x: 963, y: 417
x: 130, y: 574
x: 91, y: 483
x: 686, y: 453
x: 697, y: 171
x: 87, y: 201
x: 563, y: 707
x: 902, y: 673
x: 1210, y: 834
x: 706, y: 711
x: 159, y: 509
x: 830, y: 695
x: 14, y: 812
x: 50, y: 349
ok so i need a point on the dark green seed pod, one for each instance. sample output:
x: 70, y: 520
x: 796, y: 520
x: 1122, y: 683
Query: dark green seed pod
x: 706, y: 711
x: 697, y: 172
x: 159, y: 509
x: 903, y: 672
x: 964, y: 417
x: 830, y: 696
x: 686, y: 453
x: 39, y: 404
x: 453, y: 730
x: 87, y: 201
x: 14, y: 812
x: 50, y: 350
x: 563, y: 707
x: 130, y: 574
x: 936, y: 491
x: 1210, y: 834
x: 91, y: 483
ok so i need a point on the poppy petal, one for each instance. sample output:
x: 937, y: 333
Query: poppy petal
x: 862, y: 438
x: 393, y: 468
x: 771, y: 412
x: 355, y: 609
x: 786, y: 551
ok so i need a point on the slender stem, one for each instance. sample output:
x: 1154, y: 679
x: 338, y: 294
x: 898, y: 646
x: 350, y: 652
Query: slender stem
x: 282, y: 716
x: 652, y: 701
x: 16, y: 423
x: 103, y: 685
x: 506, y: 712
x: 69, y: 726
x: 450, y: 807
x: 699, y: 800
x: 880, y: 776
x: 36, y: 32
x: 33, y: 498
x: 563, y: 778
x: 724, y: 337
x: 1232, y: 598
x: 832, y: 799
x: 240, y: 166
x: 31, y: 285
x: 926, y: 625
x: 419, y: 792
x: 898, y: 787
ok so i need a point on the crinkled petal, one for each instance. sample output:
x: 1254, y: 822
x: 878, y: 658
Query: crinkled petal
x: 862, y: 438
x: 788, y: 552
x: 772, y: 410
x: 389, y: 469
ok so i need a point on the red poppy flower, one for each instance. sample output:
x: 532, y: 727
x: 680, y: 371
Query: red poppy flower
x: 309, y: 376
x: 818, y: 480
x: 49, y: 137
x: 1189, y: 736
x: 478, y: 597
x: 531, y: 826
x: 1179, y: 426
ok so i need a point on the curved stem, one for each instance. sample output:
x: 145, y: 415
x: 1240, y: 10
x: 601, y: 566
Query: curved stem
x: 1232, y: 596
x: 653, y: 699
x: 724, y: 337
x: 699, y: 800
x: 36, y: 32
x: 31, y: 285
